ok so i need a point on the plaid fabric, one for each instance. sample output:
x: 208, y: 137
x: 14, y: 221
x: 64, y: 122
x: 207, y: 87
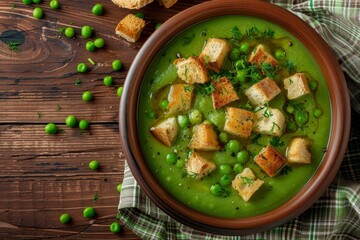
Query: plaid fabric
x: 336, y: 215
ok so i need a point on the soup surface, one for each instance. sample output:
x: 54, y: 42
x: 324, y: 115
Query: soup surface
x: 306, y: 117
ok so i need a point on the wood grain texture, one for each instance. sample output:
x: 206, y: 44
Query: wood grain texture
x: 43, y: 176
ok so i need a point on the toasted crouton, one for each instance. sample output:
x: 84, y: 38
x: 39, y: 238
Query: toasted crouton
x: 298, y: 151
x: 180, y: 97
x: 296, y: 86
x: 130, y: 28
x: 270, y: 160
x: 132, y: 4
x: 246, y: 184
x: 214, y: 53
x: 166, y: 131
x: 269, y: 121
x: 262, y: 92
x: 224, y: 93
x: 204, y: 138
x: 167, y: 3
x: 260, y: 56
x: 191, y: 70
x: 198, y: 166
x: 239, y: 122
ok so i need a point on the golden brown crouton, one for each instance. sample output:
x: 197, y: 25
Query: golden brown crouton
x: 180, y: 98
x: 246, y: 184
x: 198, y: 166
x: 191, y: 70
x: 270, y: 160
x: 270, y: 121
x: 298, y: 151
x: 167, y: 3
x: 224, y: 93
x: 296, y: 86
x: 239, y: 122
x: 166, y: 131
x: 261, y: 56
x: 214, y: 53
x: 204, y: 138
x: 130, y: 28
x: 132, y: 4
x: 262, y: 92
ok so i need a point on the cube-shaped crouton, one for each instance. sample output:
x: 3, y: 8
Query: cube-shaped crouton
x: 270, y: 160
x: 296, y: 86
x: 198, y: 167
x: 166, y: 131
x: 132, y: 4
x: 167, y: 3
x: 191, y: 70
x: 204, y: 138
x: 262, y: 92
x: 130, y: 28
x: 246, y: 184
x: 239, y: 122
x: 260, y: 56
x: 214, y: 53
x: 224, y: 93
x: 298, y: 151
x: 269, y: 121
x: 180, y: 98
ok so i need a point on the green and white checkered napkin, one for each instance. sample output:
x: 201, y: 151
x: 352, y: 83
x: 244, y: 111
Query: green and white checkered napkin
x: 336, y: 215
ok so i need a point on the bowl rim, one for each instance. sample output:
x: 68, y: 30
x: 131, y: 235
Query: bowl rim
x: 339, y: 99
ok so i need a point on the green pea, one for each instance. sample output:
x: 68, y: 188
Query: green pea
x: 99, y: 43
x: 84, y: 124
x: 38, y: 13
x: 164, y: 104
x: 97, y: 9
x: 242, y: 156
x: 89, y: 212
x: 291, y: 126
x: 119, y: 91
x: 183, y: 121
x: 280, y: 54
x: 151, y: 114
x: 90, y: 46
x: 71, y: 121
x: 235, y: 54
x: 119, y: 187
x: 241, y: 75
x: 36, y: 1
x: 139, y: 15
x: 82, y: 68
x: 69, y: 32
x: 290, y: 109
x: 216, y: 189
x: 115, y: 227
x: 65, y: 218
x: 195, y: 117
x: 240, y: 64
x: 87, y: 96
x: 225, y: 169
x: 180, y: 163
x: 317, y: 112
x: 313, y: 85
x: 225, y: 180
x: 301, y: 117
x: 238, y: 168
x: 27, y: 2
x: 51, y: 128
x: 224, y: 137
x: 86, y: 31
x: 94, y: 165
x: 54, y: 4
x: 158, y: 25
x: 171, y: 158
x: 116, y: 65
x: 233, y: 146
x: 244, y: 47
x: 108, y: 80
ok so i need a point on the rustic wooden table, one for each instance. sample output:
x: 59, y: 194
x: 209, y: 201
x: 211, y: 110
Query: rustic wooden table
x: 43, y: 176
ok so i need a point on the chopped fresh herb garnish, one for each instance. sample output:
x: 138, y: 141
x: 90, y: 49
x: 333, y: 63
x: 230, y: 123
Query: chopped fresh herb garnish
x: 40, y: 115
x: 276, y: 142
x: 248, y: 181
x: 62, y: 30
x: 290, y: 66
x: 193, y: 175
x: 207, y: 59
x: 58, y: 107
x: 13, y: 46
x: 236, y: 33
x: 187, y: 39
x: 256, y: 33
x: 205, y: 89
x: 267, y: 33
x: 274, y: 126
x: 188, y: 152
x: 77, y: 82
x: 267, y: 113
x: 286, y: 170
x: 247, y: 106
x: 13, y: 5
x: 91, y: 61
x: 96, y: 196
x: 188, y: 88
x: 203, y: 33
x: 256, y: 139
x: 268, y: 69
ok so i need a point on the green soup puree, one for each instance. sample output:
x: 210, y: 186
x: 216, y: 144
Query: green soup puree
x: 307, y: 117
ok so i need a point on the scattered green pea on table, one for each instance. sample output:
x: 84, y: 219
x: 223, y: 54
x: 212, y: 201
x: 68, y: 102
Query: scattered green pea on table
x: 54, y: 4
x: 116, y: 65
x: 99, y: 43
x: 108, y: 80
x: 86, y: 31
x: 94, y: 165
x: 82, y: 68
x: 84, y: 124
x: 65, y: 218
x: 69, y: 32
x: 89, y: 212
x: 97, y: 9
x: 38, y: 13
x: 71, y: 121
x: 90, y: 46
x: 119, y: 91
x: 51, y: 128
x: 87, y: 96
x: 115, y: 227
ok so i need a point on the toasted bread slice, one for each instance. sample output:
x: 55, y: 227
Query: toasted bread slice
x: 198, y: 166
x: 167, y: 3
x: 260, y: 56
x: 296, y: 86
x: 224, y: 93
x: 269, y: 121
x: 262, y: 92
x: 246, y: 184
x: 298, y: 151
x: 130, y: 28
x: 214, y: 53
x: 180, y: 98
x: 239, y: 122
x: 166, y: 131
x: 191, y: 70
x: 204, y: 138
x: 132, y: 4
x: 270, y: 160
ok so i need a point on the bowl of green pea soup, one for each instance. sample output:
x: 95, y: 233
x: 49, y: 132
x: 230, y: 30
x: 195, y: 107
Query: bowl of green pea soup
x: 235, y: 117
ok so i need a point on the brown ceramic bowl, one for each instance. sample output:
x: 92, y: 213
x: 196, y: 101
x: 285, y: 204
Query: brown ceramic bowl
x: 340, y: 125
